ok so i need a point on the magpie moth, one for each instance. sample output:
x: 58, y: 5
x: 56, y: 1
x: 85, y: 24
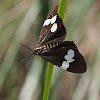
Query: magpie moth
x: 52, y: 47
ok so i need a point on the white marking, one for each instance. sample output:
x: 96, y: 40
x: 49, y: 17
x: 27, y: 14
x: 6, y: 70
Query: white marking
x: 65, y: 65
x: 47, y: 22
x: 54, y: 27
x: 70, y: 60
x: 69, y: 56
x: 70, y: 51
x: 53, y: 19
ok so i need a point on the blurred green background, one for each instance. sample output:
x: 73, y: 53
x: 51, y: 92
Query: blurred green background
x: 21, y: 21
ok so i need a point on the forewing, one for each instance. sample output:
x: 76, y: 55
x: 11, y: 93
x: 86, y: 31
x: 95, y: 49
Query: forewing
x: 53, y: 29
x: 66, y: 56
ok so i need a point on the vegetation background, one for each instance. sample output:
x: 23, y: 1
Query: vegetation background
x: 21, y: 20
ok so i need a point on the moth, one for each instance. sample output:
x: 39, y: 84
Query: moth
x: 52, y: 47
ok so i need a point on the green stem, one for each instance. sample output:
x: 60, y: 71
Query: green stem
x: 48, y: 81
x: 61, y: 12
x: 62, y: 8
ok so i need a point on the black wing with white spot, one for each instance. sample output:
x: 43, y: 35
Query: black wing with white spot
x: 66, y: 56
x: 53, y: 29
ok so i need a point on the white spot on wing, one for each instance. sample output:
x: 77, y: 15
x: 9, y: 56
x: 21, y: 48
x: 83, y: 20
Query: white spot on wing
x: 50, y: 21
x: 53, y: 19
x: 47, y: 22
x: 70, y: 51
x: 65, y: 65
x: 54, y: 27
x: 68, y: 58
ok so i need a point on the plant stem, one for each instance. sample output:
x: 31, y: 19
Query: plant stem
x: 61, y: 11
x: 48, y: 81
x: 62, y: 8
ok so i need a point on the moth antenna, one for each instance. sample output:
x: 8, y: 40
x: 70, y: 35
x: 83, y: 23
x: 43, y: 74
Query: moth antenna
x: 25, y: 58
x: 26, y: 47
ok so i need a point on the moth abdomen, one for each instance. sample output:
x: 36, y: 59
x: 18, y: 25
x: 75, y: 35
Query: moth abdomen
x: 50, y: 45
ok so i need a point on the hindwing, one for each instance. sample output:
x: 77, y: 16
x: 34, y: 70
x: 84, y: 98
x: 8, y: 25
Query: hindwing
x: 66, y: 56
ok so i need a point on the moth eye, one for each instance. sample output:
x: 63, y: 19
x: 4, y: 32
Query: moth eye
x: 36, y: 50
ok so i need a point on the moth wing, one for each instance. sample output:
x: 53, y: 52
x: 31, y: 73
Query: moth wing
x: 53, y: 29
x: 58, y: 54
